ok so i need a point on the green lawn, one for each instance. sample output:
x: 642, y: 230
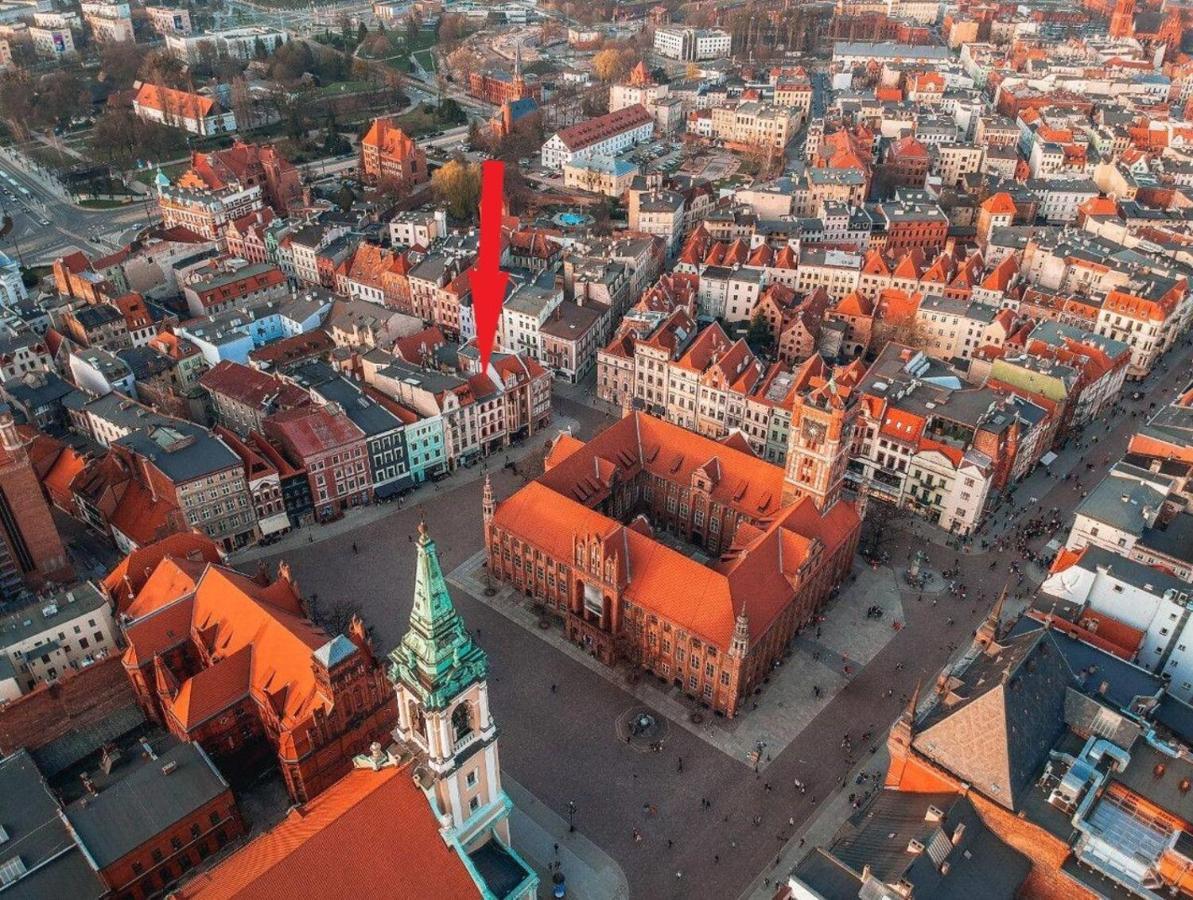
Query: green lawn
x: 337, y: 88
x: 426, y: 59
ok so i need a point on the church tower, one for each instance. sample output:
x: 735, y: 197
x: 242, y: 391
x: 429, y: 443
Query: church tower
x: 439, y: 674
x: 1122, y: 19
x: 519, y: 83
x: 823, y: 417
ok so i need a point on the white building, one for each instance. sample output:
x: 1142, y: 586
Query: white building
x: 523, y: 315
x: 99, y: 372
x: 692, y: 44
x: 109, y: 22
x: 416, y: 228
x: 607, y: 135
x: 51, y: 43
x: 1145, y: 599
x: 169, y: 19
x: 237, y: 43
x: 195, y: 113
x: 41, y: 641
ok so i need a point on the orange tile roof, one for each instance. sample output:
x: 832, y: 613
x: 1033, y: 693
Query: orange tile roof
x: 386, y: 135
x: 131, y: 573
x: 322, y: 851
x: 157, y: 632
x: 999, y: 204
x: 142, y: 516
x: 212, y: 690
x: 759, y: 575
x: 178, y: 103
x: 170, y: 579
x: 561, y: 448
x: 66, y: 466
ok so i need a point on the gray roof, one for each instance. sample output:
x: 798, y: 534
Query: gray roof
x: 55, y: 865
x: 139, y: 799
x: 1122, y: 503
x: 338, y: 649
x: 1174, y: 539
x: 42, y: 615
x: 1002, y: 714
x: 78, y: 743
x: 182, y: 450
x: 37, y: 389
x: 891, y: 50
x: 1154, y: 581
x: 94, y: 316
x: 367, y: 414
x: 980, y: 865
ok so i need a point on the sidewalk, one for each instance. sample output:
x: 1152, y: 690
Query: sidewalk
x: 536, y: 830
x: 820, y: 830
x: 428, y: 492
x: 847, y: 637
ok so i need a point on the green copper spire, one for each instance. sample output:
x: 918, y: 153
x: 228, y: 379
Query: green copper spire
x: 437, y: 658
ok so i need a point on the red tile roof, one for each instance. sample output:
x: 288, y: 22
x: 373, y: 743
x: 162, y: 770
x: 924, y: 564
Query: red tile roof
x: 323, y: 850
x: 590, y: 131
x: 132, y: 572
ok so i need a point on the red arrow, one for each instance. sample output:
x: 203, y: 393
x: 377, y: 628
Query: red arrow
x: 488, y: 281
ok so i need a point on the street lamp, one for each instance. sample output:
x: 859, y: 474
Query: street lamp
x: 571, y: 815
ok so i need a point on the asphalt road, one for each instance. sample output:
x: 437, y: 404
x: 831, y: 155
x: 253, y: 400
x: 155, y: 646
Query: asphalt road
x: 96, y: 232
x: 563, y: 747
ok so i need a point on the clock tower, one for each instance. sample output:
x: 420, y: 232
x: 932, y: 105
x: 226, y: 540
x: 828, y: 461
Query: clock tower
x: 440, y: 677
x: 823, y: 417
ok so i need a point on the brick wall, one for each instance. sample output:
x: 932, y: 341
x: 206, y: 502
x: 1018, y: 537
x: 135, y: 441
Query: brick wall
x: 76, y: 701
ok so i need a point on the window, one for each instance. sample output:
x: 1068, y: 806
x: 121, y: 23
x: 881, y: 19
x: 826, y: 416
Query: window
x: 470, y: 778
x: 474, y: 804
x: 157, y: 855
x: 462, y: 721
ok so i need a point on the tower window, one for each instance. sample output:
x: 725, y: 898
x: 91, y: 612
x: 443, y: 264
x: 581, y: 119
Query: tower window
x: 462, y: 721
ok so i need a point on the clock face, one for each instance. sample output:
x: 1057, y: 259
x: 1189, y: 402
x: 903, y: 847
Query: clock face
x: 813, y: 431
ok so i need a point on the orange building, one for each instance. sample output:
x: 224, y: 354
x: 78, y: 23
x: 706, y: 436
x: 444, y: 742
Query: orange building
x: 232, y: 663
x: 387, y: 153
x: 582, y: 538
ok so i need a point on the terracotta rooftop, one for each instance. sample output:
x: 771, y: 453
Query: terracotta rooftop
x: 322, y: 851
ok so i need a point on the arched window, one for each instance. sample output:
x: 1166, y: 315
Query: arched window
x: 462, y: 721
x: 418, y: 722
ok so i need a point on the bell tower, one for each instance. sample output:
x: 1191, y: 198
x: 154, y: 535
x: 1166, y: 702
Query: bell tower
x: 823, y: 418
x: 439, y: 675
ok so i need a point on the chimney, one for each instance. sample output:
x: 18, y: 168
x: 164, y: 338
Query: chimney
x: 145, y: 746
x: 88, y: 785
x: 170, y: 767
x: 958, y: 833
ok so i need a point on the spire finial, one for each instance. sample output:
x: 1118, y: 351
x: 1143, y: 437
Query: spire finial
x: 913, y: 703
x: 488, y: 505
x: 987, y: 632
x: 423, y: 535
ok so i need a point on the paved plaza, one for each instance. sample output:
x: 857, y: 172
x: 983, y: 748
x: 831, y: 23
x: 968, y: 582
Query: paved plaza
x: 568, y: 746
x: 824, y: 657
